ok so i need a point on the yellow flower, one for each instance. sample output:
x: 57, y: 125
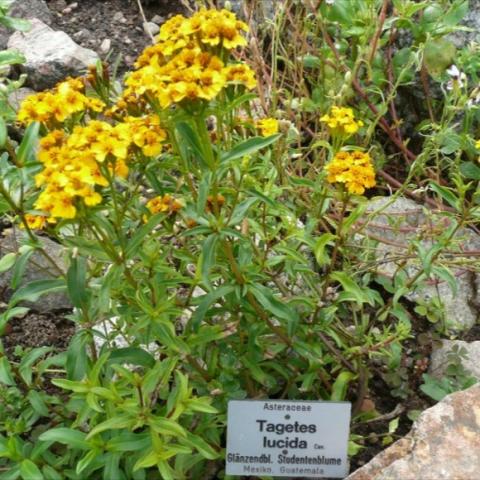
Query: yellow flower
x: 35, y: 222
x: 267, y: 126
x: 163, y: 204
x: 341, y: 121
x: 353, y: 169
x: 477, y: 144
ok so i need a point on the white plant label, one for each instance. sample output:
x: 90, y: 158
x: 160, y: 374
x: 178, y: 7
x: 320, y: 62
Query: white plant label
x: 283, y: 438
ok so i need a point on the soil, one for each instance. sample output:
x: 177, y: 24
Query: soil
x: 38, y: 330
x: 91, y: 22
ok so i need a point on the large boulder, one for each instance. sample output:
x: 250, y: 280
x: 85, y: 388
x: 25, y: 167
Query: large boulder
x: 50, y: 55
x: 394, y: 230
x: 38, y: 267
x: 444, y: 444
x: 26, y: 9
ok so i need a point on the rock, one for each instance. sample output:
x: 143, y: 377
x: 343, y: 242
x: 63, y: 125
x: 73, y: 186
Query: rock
x: 17, y: 96
x: 471, y: 20
x: 26, y: 9
x: 81, y: 34
x: 390, y: 234
x: 105, y: 46
x: 470, y: 360
x: 50, y: 55
x: 38, y: 268
x: 150, y: 28
x: 158, y: 19
x: 118, y: 17
x: 443, y: 444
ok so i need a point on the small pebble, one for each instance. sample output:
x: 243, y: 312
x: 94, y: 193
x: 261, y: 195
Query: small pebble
x: 118, y: 17
x: 105, y: 45
x: 127, y: 41
x: 67, y: 10
x: 158, y: 19
x: 74, y: 5
x: 151, y: 28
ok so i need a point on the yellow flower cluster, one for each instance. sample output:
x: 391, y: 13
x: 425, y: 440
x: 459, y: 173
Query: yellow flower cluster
x: 72, y: 163
x: 35, y: 222
x: 163, y: 204
x: 185, y: 64
x: 267, y: 126
x: 353, y: 169
x: 341, y: 121
x: 56, y: 105
x: 477, y: 144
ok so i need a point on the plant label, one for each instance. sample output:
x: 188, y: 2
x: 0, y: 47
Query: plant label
x: 283, y: 438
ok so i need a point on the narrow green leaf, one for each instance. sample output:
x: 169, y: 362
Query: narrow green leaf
x: 29, y: 471
x: 15, y: 23
x: 66, y: 436
x: 11, y: 57
x: 77, y: 282
x: 340, y: 386
x: 6, y: 372
x: 7, y: 261
x: 132, y: 355
x: 248, y: 147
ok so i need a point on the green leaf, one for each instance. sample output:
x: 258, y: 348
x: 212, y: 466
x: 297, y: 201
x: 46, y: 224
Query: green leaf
x: 6, y: 372
x: 34, y: 290
x: 88, y: 458
x: 247, y: 147
x: 115, y: 423
x: 26, y: 150
x: 241, y: 210
x: 7, y: 261
x: 137, y: 239
x: 207, y: 258
x: 470, y: 170
x: 29, y: 471
x: 165, y: 426
x: 205, y: 303
x: 439, y: 54
x: 15, y: 23
x: 273, y: 305
x: 355, y: 292
x: 37, y: 403
x: 189, y: 136
x: 11, y: 57
x: 3, y: 128
x: 446, y: 194
x: 201, y: 446
x: 25, y: 368
x: 340, y: 386
x: 77, y: 358
x: 77, y: 282
x: 66, y: 436
x: 320, y: 248
x: 128, y: 442
x: 20, y: 267
x: 132, y: 355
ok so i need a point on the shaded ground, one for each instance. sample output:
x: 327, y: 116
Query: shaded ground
x: 91, y: 22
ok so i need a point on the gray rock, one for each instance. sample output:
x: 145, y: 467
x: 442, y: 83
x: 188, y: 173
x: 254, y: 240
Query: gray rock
x: 471, y: 362
x: 26, y: 9
x: 471, y: 21
x: 105, y: 46
x: 17, y: 96
x: 50, y: 55
x: 390, y: 230
x: 150, y: 28
x: 38, y: 268
x: 444, y: 444
x: 158, y: 19
x: 118, y: 17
